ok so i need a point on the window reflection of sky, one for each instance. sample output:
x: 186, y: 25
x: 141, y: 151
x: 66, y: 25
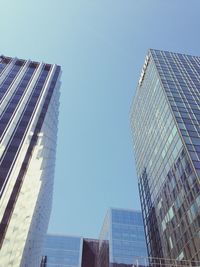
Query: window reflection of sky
x: 125, y: 232
x: 128, y: 240
x: 63, y: 251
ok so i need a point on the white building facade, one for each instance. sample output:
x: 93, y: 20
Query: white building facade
x: 29, y: 102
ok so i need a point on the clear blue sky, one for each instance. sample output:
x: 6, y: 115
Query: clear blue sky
x: 101, y: 46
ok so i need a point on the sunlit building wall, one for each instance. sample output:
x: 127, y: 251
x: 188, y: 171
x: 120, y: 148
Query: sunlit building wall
x: 165, y: 121
x: 29, y: 100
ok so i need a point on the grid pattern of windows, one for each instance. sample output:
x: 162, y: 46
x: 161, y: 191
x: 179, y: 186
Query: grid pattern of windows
x: 165, y: 123
x: 128, y: 239
x: 123, y: 233
x: 180, y: 76
x: 29, y: 93
x: 63, y: 251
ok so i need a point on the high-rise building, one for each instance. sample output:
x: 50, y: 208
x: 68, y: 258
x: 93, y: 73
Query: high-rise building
x: 122, y: 239
x: 29, y: 100
x: 165, y: 121
x: 121, y: 244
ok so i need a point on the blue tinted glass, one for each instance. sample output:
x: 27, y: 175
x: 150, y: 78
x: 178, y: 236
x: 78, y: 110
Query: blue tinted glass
x: 62, y: 250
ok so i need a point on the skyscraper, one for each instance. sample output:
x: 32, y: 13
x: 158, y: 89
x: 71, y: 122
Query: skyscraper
x: 165, y: 121
x: 122, y: 240
x: 29, y: 100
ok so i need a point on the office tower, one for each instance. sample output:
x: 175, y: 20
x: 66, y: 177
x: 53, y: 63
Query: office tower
x: 121, y: 244
x: 165, y: 121
x: 60, y: 250
x: 122, y: 239
x: 69, y: 251
x: 29, y: 93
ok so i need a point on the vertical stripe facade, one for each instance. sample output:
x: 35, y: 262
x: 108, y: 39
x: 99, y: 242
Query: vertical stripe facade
x: 29, y: 101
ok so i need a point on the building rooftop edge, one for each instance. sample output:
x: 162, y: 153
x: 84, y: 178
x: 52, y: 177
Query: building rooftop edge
x: 124, y: 209
x: 168, y: 51
x: 33, y: 61
x: 64, y: 235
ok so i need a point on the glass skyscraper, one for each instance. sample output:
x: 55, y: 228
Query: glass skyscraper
x: 165, y: 121
x: 122, y: 239
x: 29, y: 100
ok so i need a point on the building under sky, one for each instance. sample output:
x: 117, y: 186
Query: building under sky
x: 29, y: 100
x: 166, y: 129
x: 60, y: 250
x: 69, y: 251
x: 121, y: 244
x: 122, y: 239
x: 100, y: 46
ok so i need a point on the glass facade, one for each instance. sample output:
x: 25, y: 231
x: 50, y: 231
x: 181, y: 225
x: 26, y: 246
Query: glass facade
x: 62, y: 251
x: 29, y: 100
x: 121, y: 244
x: 165, y: 121
x: 69, y: 251
x: 122, y: 239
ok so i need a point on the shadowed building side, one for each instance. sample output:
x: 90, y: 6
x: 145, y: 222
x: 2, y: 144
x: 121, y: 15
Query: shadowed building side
x: 90, y: 253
